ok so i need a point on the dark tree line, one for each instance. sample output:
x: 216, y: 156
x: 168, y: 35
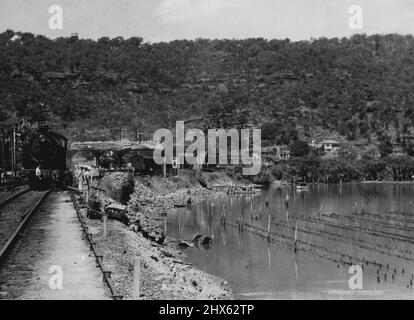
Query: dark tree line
x: 356, y: 86
x: 311, y: 168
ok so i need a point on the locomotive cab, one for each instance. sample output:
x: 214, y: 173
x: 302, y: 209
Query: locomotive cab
x: 47, y: 150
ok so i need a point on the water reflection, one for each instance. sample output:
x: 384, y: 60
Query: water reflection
x: 259, y: 269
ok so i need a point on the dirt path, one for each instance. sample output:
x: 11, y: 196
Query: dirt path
x: 51, y: 246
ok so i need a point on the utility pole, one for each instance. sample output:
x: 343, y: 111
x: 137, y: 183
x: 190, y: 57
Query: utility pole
x: 11, y: 153
x: 14, y: 152
x: 3, y: 156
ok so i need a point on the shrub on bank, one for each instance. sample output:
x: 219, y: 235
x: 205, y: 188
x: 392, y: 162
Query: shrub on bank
x: 118, y: 186
x: 264, y: 177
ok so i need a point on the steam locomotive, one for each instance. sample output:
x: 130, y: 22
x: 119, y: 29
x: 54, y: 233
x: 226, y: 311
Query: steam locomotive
x: 47, y: 150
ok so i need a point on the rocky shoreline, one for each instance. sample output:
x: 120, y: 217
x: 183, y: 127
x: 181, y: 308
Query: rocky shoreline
x: 165, y: 274
x: 147, y: 209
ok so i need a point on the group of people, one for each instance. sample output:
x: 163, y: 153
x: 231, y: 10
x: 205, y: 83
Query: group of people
x: 7, y: 177
x: 41, y: 179
x: 2, y: 176
x: 85, y: 176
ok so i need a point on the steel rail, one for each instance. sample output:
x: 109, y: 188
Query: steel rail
x: 98, y: 257
x: 12, y: 197
x: 26, y: 217
x: 10, y: 186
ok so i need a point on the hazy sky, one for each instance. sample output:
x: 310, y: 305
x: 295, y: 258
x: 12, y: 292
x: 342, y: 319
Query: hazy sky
x: 162, y: 20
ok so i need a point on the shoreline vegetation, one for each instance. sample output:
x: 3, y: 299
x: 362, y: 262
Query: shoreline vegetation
x: 281, y: 183
x: 313, y: 169
x: 388, y: 182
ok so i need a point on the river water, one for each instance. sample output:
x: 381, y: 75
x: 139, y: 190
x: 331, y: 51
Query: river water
x: 369, y: 225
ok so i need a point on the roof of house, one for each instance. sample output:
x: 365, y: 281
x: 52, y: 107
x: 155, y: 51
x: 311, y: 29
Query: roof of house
x: 269, y: 149
x: 112, y: 146
x: 329, y: 142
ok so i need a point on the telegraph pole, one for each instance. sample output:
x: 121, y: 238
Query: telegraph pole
x: 3, y: 156
x: 14, y: 152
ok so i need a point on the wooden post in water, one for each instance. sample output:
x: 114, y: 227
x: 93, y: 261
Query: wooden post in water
x: 242, y: 214
x: 268, y: 225
x: 287, y: 217
x: 296, y: 235
x: 210, y: 214
x: 222, y: 214
x: 268, y: 257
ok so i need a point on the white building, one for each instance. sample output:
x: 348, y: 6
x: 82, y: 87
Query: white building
x: 330, y: 145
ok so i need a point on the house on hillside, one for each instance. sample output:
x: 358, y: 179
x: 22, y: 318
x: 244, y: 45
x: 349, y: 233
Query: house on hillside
x: 315, y: 145
x: 15, y: 38
x: 276, y: 153
x: 330, y: 145
x: 325, y: 146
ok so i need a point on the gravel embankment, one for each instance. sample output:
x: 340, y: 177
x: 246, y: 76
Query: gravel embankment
x: 147, y: 209
x: 164, y: 274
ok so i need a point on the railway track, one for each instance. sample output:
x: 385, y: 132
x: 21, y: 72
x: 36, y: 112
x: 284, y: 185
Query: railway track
x: 11, y: 186
x: 36, y: 235
x: 16, y: 212
x: 12, y: 197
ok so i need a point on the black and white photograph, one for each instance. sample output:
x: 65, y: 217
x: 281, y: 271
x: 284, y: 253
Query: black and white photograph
x: 215, y: 151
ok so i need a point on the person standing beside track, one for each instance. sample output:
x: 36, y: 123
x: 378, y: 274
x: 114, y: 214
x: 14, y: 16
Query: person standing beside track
x: 80, y: 178
x: 67, y: 179
x: 87, y: 180
x: 38, y: 178
x: 2, y: 176
x: 55, y: 179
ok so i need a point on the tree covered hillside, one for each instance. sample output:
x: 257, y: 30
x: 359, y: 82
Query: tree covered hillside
x: 357, y: 87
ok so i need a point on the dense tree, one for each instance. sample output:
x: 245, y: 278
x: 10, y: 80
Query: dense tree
x: 299, y: 148
x: 409, y: 149
x: 385, y: 147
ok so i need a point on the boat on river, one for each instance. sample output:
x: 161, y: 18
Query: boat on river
x: 246, y: 189
x: 302, y: 186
